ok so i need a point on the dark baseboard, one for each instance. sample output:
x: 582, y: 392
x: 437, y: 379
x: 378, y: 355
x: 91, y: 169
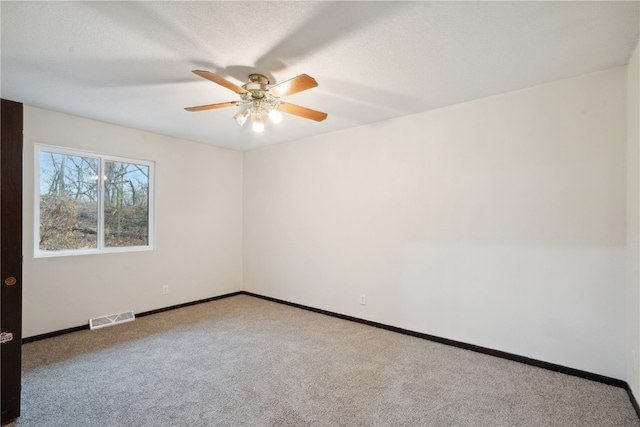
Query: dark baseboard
x: 54, y: 334
x: 187, y: 304
x: 633, y: 400
x: 145, y: 313
x: 484, y: 350
x: 479, y: 349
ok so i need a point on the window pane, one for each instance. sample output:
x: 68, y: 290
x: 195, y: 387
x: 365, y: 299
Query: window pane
x: 68, y: 202
x: 126, y: 204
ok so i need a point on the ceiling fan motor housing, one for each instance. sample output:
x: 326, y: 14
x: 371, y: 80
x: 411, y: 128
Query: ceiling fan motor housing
x: 258, y: 85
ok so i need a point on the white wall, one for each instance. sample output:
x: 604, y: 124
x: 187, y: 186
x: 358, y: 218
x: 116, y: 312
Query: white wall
x: 633, y: 222
x: 198, y: 223
x: 499, y: 222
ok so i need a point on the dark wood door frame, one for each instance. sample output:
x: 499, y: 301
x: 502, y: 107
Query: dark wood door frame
x: 11, y: 256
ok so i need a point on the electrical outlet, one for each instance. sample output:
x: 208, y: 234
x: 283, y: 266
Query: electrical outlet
x: 165, y: 289
x: 363, y: 299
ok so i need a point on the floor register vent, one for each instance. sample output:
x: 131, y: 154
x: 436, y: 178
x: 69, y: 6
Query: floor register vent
x: 101, y: 322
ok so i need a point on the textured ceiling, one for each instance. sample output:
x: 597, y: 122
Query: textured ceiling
x: 130, y: 63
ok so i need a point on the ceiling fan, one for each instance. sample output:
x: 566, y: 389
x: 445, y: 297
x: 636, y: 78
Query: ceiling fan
x: 263, y: 99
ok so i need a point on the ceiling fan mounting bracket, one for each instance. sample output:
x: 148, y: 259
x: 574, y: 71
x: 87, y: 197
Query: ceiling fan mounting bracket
x: 258, y: 78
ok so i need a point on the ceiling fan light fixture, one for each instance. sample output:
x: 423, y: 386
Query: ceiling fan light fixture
x: 242, y: 117
x: 257, y: 125
x: 275, y: 116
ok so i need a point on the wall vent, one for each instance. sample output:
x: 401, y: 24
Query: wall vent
x: 101, y: 322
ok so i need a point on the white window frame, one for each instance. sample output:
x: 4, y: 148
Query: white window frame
x: 102, y: 158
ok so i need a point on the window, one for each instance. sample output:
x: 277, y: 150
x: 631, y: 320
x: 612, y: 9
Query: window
x: 89, y: 202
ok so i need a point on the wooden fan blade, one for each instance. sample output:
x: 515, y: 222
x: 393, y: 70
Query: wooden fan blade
x: 212, y: 106
x: 306, y: 113
x: 294, y: 85
x: 219, y: 80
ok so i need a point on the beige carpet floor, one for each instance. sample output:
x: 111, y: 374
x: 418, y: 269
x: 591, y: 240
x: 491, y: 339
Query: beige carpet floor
x: 244, y: 361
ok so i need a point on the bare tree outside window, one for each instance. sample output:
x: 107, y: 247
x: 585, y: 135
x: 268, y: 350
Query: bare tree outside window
x: 126, y: 203
x: 68, y: 201
x: 89, y: 203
